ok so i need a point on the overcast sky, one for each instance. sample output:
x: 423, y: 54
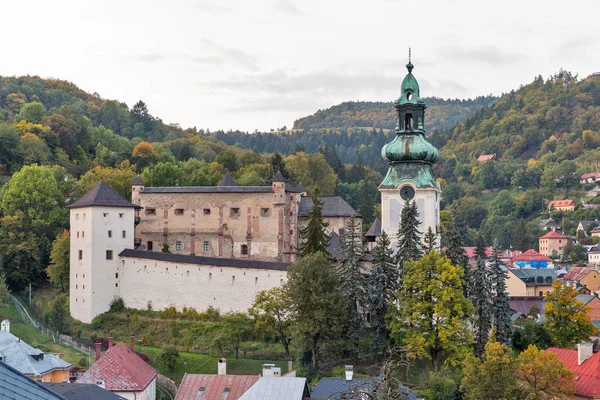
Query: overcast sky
x: 260, y: 64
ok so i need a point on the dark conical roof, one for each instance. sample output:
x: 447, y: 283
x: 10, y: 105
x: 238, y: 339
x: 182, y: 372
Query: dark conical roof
x: 301, y: 187
x: 375, y: 229
x: 227, y: 180
x: 102, y: 195
x: 278, y: 177
x: 138, y: 181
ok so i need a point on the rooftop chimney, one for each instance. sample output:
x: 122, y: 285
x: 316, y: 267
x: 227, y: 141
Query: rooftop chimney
x: 267, y: 369
x: 222, y: 366
x: 349, y: 372
x: 97, y: 344
x: 584, y: 351
x: 6, y: 325
x: 290, y: 365
x: 132, y: 343
x: 110, y: 342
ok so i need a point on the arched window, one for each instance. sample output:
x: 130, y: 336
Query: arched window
x: 244, y: 250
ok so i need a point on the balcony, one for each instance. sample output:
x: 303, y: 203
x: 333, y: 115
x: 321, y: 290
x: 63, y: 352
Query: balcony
x: 136, y: 220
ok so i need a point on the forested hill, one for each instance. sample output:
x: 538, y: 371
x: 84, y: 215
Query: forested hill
x: 441, y: 114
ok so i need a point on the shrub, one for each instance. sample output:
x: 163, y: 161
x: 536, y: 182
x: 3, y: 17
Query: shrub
x: 116, y: 305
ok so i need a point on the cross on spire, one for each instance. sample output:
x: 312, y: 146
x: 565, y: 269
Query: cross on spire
x: 409, y: 54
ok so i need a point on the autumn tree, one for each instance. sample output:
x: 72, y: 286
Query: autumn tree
x: 313, y: 237
x: 58, y: 270
x: 566, y: 318
x: 144, y: 155
x: 543, y: 376
x: 316, y: 307
x: 270, y: 316
x: 119, y: 178
x: 313, y: 171
x: 433, y: 313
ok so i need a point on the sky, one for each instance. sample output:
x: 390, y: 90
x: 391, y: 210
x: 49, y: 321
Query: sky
x: 261, y: 64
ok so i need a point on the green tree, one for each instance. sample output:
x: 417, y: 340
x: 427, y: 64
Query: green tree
x: 434, y: 312
x: 501, y: 301
x: 520, y: 237
x: 58, y: 314
x: 9, y: 139
x: 566, y: 319
x: 574, y: 253
x: 315, y: 304
x: 168, y: 357
x: 566, y: 172
x: 234, y: 329
x: 440, y: 386
x: 4, y: 292
x: 490, y: 377
x: 19, y: 253
x: 313, y: 171
x: 278, y: 164
x: 33, y: 112
x: 270, y: 316
x: 379, y: 292
x: 352, y: 283
x: 543, y: 375
x: 162, y: 174
x: 58, y: 270
x: 481, y: 295
x: 531, y: 333
x: 409, y: 241
x: 429, y: 241
x: 313, y: 237
x: 119, y: 178
x: 228, y: 159
x: 453, y: 241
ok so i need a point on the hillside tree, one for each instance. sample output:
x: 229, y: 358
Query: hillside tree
x: 58, y: 270
x: 313, y: 237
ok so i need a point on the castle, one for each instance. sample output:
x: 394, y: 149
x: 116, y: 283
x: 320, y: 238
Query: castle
x: 220, y: 245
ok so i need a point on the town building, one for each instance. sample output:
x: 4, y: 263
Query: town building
x: 583, y: 276
x: 214, y: 387
x: 121, y: 371
x: 487, y: 157
x: 549, y: 224
x: 82, y: 391
x: 529, y: 282
x: 552, y: 244
x: 277, y: 388
x: 591, y: 177
x: 594, y: 256
x: 562, y: 205
x: 30, y: 361
x: 595, y: 232
x: 16, y: 385
x: 410, y: 157
x: 585, y: 365
x: 586, y: 226
x: 532, y: 259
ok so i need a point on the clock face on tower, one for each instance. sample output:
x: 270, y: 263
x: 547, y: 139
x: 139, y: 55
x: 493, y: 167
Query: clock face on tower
x: 407, y: 192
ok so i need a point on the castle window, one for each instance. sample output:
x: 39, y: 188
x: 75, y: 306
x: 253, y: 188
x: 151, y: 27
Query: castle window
x: 166, y: 270
x: 84, y: 216
x: 80, y: 254
x: 109, y: 234
x: 234, y: 212
x: 244, y: 249
x: 209, y: 276
x: 178, y: 246
x: 116, y: 284
x: 77, y: 234
x: 206, y: 245
x: 124, y: 233
x: 76, y: 286
x: 179, y: 211
x: 116, y: 275
x: 109, y: 254
x: 105, y: 215
x: 77, y: 217
x: 265, y: 212
x: 150, y: 245
x: 150, y: 211
x: 121, y: 215
x: 82, y: 234
x: 256, y: 280
x: 84, y: 286
x: 206, y: 211
x: 232, y: 279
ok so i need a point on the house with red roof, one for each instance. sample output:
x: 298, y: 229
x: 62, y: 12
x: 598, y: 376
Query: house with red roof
x: 585, y: 365
x: 214, y: 387
x: 552, y: 243
x: 121, y: 371
x: 487, y: 157
x: 583, y: 276
x: 591, y: 177
x: 562, y: 205
x: 532, y: 259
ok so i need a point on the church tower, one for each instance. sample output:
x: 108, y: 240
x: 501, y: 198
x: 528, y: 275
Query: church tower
x: 410, y: 157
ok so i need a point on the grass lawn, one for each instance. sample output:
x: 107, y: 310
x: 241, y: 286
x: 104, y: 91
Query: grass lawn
x: 29, y: 334
x: 193, y: 363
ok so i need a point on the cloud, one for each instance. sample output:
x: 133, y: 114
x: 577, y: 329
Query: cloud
x: 489, y: 54
x: 287, y: 7
x: 448, y: 86
x: 237, y: 57
x: 576, y: 46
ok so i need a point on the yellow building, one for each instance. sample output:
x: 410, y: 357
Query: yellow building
x: 583, y: 276
x: 30, y: 361
x: 552, y: 242
x: 529, y: 282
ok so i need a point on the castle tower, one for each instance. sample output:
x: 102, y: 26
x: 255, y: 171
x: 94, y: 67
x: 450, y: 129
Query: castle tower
x: 102, y: 225
x: 410, y: 157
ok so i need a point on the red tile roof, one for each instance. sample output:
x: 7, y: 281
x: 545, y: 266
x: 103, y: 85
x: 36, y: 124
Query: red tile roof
x: 591, y: 175
x: 531, y: 255
x: 121, y: 370
x: 470, y: 252
x: 486, y: 157
x: 561, y: 203
x: 214, y: 386
x: 553, y: 235
x: 587, y: 375
x: 577, y: 273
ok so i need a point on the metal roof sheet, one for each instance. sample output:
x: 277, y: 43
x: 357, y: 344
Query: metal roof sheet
x: 212, y: 387
x: 102, y: 195
x: 333, y: 206
x: 16, y: 386
x: 277, y: 388
x: 17, y: 354
x: 577, y: 273
x: 81, y: 391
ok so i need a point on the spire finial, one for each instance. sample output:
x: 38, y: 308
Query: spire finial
x: 409, y: 54
x: 409, y: 66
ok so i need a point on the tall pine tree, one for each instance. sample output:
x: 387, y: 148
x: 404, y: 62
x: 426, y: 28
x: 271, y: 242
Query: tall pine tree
x: 453, y: 241
x: 482, y: 299
x: 501, y: 301
x: 380, y: 288
x: 352, y: 283
x: 313, y: 236
x: 520, y: 237
x: 429, y: 241
x: 409, y: 241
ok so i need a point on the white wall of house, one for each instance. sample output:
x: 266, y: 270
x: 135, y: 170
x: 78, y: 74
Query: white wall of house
x: 148, y: 394
x: 94, y: 278
x: 166, y: 284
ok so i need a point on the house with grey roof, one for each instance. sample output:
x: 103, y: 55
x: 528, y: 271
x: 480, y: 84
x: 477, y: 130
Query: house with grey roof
x: 278, y: 388
x: 16, y: 386
x: 335, y: 212
x: 30, y: 361
x: 81, y: 391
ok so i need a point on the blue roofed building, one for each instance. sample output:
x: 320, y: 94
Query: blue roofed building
x: 16, y: 386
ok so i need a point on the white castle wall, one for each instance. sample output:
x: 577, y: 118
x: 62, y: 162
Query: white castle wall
x: 199, y: 286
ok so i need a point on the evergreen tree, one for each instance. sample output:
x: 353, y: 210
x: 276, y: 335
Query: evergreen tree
x: 351, y: 283
x: 453, y: 241
x: 380, y: 288
x: 501, y: 303
x: 429, y: 241
x: 520, y: 240
x: 482, y: 300
x: 314, y: 238
x: 278, y: 164
x: 409, y: 242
